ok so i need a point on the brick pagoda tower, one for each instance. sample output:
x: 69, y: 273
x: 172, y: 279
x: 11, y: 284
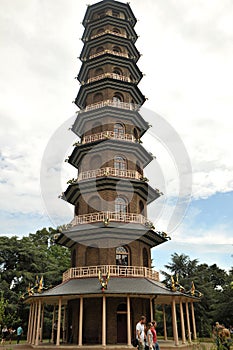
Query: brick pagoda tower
x: 111, y: 282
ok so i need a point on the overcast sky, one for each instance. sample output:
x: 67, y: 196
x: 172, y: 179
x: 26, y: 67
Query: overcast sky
x: 187, y: 61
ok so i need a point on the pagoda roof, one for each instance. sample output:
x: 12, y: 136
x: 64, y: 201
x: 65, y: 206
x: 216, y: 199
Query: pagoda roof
x: 113, y: 21
x: 113, y: 39
x: 117, y: 286
x: 101, y: 113
x: 98, y: 146
x: 116, y: 5
x: 111, y: 235
x: 109, y: 59
x: 108, y: 83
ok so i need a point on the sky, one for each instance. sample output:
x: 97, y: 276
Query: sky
x: 187, y: 57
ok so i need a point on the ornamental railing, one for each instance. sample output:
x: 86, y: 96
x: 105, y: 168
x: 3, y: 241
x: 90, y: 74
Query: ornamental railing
x: 106, y: 216
x: 107, y: 31
x: 109, y: 75
x: 121, y: 54
x: 132, y: 174
x: 111, y: 103
x: 112, y: 270
x: 108, y: 135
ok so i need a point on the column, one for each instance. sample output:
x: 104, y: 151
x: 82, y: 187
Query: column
x: 182, y: 322
x: 151, y: 310
x: 64, y: 324
x: 29, y: 322
x: 53, y: 321
x: 59, y: 323
x: 104, y: 321
x: 128, y: 322
x: 164, y: 323
x: 193, y: 321
x: 42, y: 324
x: 80, y: 330
x: 188, y: 322
x: 34, y: 324
x: 38, y: 323
x: 174, y: 322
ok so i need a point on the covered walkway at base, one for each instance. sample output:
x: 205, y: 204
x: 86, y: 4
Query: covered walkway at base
x: 131, y: 289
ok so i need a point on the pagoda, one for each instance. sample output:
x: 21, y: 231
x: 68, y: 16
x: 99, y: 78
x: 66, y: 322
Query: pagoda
x: 111, y: 282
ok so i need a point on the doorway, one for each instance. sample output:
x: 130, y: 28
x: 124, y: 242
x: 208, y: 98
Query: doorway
x: 122, y: 324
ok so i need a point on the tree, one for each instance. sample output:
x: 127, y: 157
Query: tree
x: 211, y: 281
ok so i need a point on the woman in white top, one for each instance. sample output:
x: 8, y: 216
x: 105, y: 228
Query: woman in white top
x: 149, y: 338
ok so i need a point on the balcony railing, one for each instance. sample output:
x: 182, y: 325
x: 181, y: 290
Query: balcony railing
x: 109, y: 75
x: 90, y: 174
x: 108, y: 135
x: 113, y: 270
x: 107, y: 31
x: 121, y: 54
x: 106, y: 216
x: 111, y: 103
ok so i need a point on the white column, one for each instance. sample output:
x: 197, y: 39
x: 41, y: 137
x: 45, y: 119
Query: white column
x: 128, y: 322
x: 34, y: 324
x: 104, y: 321
x: 53, y: 321
x: 64, y: 324
x: 151, y: 310
x: 80, y: 330
x: 38, y: 323
x: 42, y: 324
x: 193, y: 320
x: 29, y: 322
x: 174, y: 322
x: 188, y: 322
x: 59, y: 323
x: 164, y: 323
x: 182, y: 323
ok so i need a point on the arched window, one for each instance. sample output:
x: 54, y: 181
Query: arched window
x: 121, y: 205
x: 100, y: 30
x: 141, y: 207
x: 119, y: 130
x: 117, y: 71
x: 116, y: 49
x: 98, y: 97
x: 99, y: 49
x: 73, y: 258
x: 118, y: 97
x: 122, y: 256
x: 99, y: 71
x: 119, y: 162
x: 145, y: 258
x: 116, y: 30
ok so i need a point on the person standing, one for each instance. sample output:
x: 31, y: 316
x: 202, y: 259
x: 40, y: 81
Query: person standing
x: 19, y: 333
x: 11, y: 334
x: 140, y: 333
x: 153, y: 330
x: 149, y: 337
x: 4, y: 334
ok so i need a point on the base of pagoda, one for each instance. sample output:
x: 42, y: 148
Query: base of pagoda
x: 164, y: 345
